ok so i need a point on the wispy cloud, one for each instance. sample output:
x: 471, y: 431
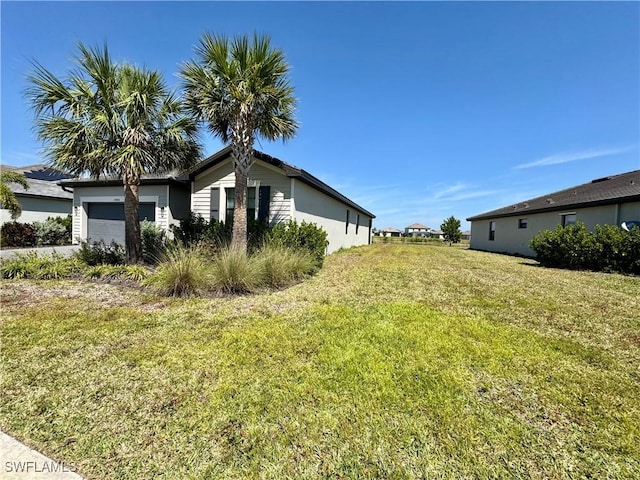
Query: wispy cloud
x: 566, y: 157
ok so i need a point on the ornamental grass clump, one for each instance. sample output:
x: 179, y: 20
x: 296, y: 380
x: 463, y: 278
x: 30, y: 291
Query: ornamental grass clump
x: 234, y: 271
x: 283, y: 266
x: 182, y: 272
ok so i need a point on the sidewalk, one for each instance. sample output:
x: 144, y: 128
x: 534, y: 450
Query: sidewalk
x: 66, y: 250
x: 19, y: 462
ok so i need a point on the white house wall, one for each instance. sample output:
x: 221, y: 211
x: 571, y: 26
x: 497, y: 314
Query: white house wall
x: 221, y: 176
x: 82, y: 196
x: 314, y: 206
x: 511, y: 239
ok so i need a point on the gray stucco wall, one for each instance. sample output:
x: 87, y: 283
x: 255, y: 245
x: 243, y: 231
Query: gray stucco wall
x: 311, y: 205
x: 37, y: 209
x: 511, y: 239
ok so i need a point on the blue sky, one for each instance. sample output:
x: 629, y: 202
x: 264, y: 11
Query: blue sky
x: 417, y: 111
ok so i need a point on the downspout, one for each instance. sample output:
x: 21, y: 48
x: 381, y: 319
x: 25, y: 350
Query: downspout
x: 617, y: 214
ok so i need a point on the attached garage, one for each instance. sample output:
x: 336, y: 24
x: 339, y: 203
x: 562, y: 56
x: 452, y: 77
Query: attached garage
x: 105, y: 221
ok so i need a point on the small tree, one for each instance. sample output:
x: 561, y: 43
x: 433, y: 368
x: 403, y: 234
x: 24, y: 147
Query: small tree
x: 8, y: 199
x: 451, y: 230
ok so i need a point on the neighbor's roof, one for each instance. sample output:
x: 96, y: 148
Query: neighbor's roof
x: 39, y: 171
x: 41, y: 188
x: 289, y: 170
x: 417, y: 225
x: 601, y: 191
x: 392, y: 230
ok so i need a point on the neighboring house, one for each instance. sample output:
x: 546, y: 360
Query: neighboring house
x: 436, y: 234
x: 416, y: 230
x: 466, y: 235
x: 277, y: 191
x: 391, y: 232
x: 43, y: 199
x: 609, y: 200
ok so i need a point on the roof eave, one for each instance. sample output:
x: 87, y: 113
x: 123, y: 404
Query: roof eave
x: 559, y: 208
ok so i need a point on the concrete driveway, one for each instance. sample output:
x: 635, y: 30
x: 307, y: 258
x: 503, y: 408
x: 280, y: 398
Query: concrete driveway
x: 66, y: 250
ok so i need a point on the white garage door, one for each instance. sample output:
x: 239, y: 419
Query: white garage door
x: 106, y: 221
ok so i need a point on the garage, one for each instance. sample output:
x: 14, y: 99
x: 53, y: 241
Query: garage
x: 105, y: 221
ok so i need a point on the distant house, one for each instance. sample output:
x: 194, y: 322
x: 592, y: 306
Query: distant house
x: 609, y: 200
x: 277, y: 191
x: 43, y: 199
x: 416, y: 230
x: 436, y: 234
x: 391, y: 232
x: 466, y: 235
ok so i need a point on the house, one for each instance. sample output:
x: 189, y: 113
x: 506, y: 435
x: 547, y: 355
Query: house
x: 391, y: 232
x: 436, y: 234
x: 43, y: 199
x: 466, y: 235
x: 609, y: 200
x: 416, y: 230
x: 277, y: 191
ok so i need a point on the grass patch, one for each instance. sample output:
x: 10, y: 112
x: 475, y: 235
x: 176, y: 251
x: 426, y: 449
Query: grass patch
x: 394, y: 361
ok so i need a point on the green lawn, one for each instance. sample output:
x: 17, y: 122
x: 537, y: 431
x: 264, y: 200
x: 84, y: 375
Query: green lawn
x: 395, y: 361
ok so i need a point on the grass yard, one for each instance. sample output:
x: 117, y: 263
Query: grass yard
x: 395, y: 361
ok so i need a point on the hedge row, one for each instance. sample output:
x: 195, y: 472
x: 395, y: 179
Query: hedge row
x: 608, y: 249
x: 53, y: 231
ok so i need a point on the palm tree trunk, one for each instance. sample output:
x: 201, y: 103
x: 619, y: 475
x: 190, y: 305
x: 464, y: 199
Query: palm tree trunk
x: 242, y: 153
x: 133, y: 241
x: 239, y: 239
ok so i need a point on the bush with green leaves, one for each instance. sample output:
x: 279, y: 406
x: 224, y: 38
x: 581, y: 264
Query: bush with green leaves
x: 40, y: 267
x: 182, y: 272
x: 608, y: 249
x: 52, y: 231
x: 100, y: 253
x: 16, y: 234
x: 154, y: 242
x: 303, y: 236
x: 196, y: 230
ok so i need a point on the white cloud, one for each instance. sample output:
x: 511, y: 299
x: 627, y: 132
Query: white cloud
x: 566, y: 157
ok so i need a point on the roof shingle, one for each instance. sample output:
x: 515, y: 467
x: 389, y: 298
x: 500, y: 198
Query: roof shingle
x: 601, y: 191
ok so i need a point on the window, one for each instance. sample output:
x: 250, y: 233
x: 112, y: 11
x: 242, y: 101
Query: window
x: 492, y: 230
x: 346, y: 227
x: 215, y: 204
x: 569, y: 219
x: 522, y: 223
x: 357, y: 222
x: 231, y: 203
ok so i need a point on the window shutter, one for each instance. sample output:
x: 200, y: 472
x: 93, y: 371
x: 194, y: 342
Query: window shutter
x: 264, y: 198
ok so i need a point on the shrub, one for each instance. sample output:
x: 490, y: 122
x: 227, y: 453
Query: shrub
x: 234, y: 271
x: 100, y: 253
x: 305, y: 236
x: 154, y: 242
x: 52, y: 232
x: 32, y: 265
x: 283, y: 266
x: 609, y: 249
x: 196, y: 230
x: 182, y: 272
x: 16, y: 234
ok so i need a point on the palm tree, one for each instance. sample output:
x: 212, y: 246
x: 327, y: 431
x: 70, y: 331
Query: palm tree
x: 112, y: 119
x: 240, y: 89
x: 8, y: 199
